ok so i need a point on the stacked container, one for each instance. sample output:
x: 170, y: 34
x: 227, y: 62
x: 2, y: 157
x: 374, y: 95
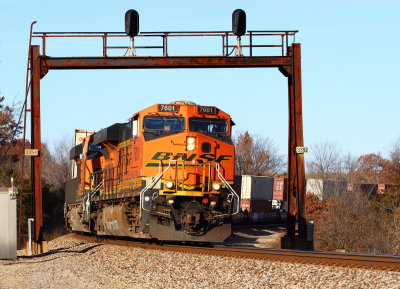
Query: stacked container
x: 256, y: 197
x: 279, y: 197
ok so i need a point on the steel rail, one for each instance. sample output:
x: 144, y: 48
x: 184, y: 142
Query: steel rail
x: 351, y: 260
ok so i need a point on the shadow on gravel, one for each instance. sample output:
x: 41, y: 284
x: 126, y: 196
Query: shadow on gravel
x: 254, y: 232
x: 253, y: 235
x: 34, y: 262
x: 61, y: 250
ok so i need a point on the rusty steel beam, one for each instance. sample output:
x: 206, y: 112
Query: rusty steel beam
x: 298, y: 114
x: 296, y: 171
x: 292, y: 193
x: 161, y: 62
x: 36, y: 143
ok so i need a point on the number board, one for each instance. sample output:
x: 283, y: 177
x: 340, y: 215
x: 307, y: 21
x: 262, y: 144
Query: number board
x: 31, y: 152
x: 168, y: 107
x: 301, y: 150
x: 207, y: 109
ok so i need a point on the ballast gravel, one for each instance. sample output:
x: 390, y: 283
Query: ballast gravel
x: 73, y: 263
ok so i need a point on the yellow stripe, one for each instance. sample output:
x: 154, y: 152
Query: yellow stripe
x: 186, y: 193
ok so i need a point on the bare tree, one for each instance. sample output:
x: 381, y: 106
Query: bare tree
x: 256, y: 155
x: 394, y: 168
x: 62, y: 149
x: 325, y: 161
x: 56, y: 164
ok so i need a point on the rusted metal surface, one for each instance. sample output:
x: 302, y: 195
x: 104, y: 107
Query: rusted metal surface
x: 27, y: 87
x: 299, y: 141
x: 36, y: 175
x: 352, y: 260
x: 282, y: 35
x: 296, y: 175
x: 161, y: 62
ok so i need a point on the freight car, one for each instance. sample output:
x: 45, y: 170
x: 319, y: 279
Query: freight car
x: 165, y: 174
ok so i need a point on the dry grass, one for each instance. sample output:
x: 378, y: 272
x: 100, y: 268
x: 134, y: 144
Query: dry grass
x: 350, y: 223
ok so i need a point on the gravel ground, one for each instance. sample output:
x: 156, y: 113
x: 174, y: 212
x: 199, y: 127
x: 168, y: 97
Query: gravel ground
x: 258, y: 236
x: 73, y: 263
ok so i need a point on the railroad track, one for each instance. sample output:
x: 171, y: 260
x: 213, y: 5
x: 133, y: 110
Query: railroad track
x: 352, y: 260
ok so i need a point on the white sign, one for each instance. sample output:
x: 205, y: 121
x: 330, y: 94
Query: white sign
x: 301, y: 150
x: 31, y: 152
x: 80, y: 134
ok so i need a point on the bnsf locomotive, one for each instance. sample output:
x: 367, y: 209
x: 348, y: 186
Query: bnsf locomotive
x: 165, y: 174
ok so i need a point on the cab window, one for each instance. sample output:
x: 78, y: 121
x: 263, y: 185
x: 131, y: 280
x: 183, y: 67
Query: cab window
x: 208, y: 125
x: 164, y: 123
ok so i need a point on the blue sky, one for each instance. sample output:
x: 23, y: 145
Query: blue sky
x: 349, y: 61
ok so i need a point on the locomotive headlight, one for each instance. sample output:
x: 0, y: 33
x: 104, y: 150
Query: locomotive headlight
x: 169, y: 184
x: 190, y: 143
x: 216, y: 186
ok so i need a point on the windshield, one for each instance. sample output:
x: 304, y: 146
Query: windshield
x: 164, y: 123
x: 211, y: 125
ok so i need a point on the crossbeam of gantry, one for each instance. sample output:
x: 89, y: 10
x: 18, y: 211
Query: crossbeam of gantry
x: 48, y: 63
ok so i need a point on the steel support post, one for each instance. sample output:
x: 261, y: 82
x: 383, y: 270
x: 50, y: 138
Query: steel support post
x: 292, y: 193
x: 296, y: 172
x: 298, y: 115
x: 36, y: 143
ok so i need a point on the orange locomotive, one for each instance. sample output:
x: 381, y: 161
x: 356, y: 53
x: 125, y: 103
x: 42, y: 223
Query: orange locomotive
x: 166, y: 174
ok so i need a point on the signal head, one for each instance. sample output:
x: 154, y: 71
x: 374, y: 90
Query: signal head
x: 239, y: 22
x: 132, y: 23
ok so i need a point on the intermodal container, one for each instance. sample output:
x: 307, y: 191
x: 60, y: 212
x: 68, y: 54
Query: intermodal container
x: 237, y: 185
x: 326, y: 188
x: 256, y: 188
x: 279, y: 192
x: 258, y: 210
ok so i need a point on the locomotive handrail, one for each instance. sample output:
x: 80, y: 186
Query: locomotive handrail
x: 106, y: 177
x: 152, y: 183
x: 233, y: 193
x: 87, y: 199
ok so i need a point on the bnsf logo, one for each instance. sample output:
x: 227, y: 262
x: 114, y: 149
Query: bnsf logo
x: 165, y: 156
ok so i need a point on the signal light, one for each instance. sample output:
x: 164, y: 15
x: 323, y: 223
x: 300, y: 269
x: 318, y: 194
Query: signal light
x: 205, y: 201
x: 132, y: 23
x: 239, y: 22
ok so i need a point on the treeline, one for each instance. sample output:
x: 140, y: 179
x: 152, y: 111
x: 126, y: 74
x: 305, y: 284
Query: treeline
x: 13, y: 164
x: 352, y: 220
